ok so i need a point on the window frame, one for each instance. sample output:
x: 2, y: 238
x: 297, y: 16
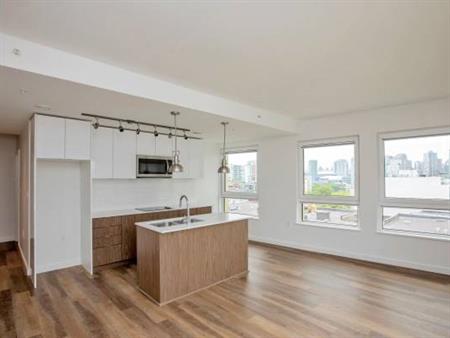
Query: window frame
x: 303, y: 198
x: 235, y: 194
x: 405, y: 202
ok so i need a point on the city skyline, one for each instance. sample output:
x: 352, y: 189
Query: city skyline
x: 415, y: 147
x: 430, y: 165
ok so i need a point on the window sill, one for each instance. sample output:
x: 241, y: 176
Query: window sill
x: 329, y: 226
x: 256, y: 218
x: 414, y: 234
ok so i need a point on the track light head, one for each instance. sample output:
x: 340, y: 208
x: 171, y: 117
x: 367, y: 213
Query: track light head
x: 170, y: 134
x: 185, y: 136
x: 138, y: 130
x: 121, y: 129
x: 96, y: 124
x: 155, y: 132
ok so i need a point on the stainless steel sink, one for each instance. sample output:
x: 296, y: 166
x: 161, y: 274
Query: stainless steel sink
x: 175, y: 222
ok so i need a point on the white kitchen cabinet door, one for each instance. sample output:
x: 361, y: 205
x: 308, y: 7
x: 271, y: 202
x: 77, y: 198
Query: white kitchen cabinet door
x: 49, y: 137
x: 163, y: 145
x: 102, y: 152
x: 196, y: 158
x: 145, y: 144
x: 183, y: 148
x: 77, y: 140
x: 124, y: 154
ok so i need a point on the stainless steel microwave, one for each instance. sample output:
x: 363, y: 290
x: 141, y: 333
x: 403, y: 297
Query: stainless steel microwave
x: 153, y: 166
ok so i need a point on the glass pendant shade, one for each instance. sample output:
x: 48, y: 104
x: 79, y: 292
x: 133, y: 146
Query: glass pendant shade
x: 224, y: 169
x: 176, y: 167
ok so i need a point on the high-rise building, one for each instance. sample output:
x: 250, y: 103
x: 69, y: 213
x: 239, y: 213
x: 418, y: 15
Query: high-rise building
x: 392, y: 166
x: 250, y: 172
x: 238, y: 173
x: 419, y: 167
x: 404, y: 163
x: 431, y: 165
x: 312, y: 170
x: 341, y: 168
x: 352, y: 172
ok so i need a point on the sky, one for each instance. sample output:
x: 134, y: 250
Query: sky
x: 414, y: 148
x: 241, y: 158
x: 326, y: 156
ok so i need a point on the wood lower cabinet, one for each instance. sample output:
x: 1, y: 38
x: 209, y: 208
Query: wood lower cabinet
x: 128, y: 237
x: 114, y: 238
x: 198, y: 257
x: 107, y: 240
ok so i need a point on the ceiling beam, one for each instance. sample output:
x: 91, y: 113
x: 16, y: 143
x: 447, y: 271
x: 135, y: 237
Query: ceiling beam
x: 32, y: 57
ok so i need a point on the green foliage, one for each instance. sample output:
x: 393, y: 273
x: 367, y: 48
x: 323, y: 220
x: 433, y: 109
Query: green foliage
x: 330, y: 189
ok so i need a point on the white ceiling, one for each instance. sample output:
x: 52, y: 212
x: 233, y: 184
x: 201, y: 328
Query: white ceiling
x: 303, y: 59
x: 21, y: 91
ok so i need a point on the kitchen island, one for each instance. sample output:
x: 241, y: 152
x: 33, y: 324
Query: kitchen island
x: 175, y: 258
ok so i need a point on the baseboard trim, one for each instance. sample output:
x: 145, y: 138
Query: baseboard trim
x: 391, y: 263
x: 5, y: 239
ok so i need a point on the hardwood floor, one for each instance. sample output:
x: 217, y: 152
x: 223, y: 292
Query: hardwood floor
x: 286, y: 294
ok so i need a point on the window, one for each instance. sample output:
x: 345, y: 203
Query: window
x: 239, y: 188
x: 241, y: 206
x: 329, y: 183
x: 415, y: 187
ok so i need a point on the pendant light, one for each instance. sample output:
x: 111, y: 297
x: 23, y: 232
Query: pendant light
x: 176, y: 167
x: 224, y: 169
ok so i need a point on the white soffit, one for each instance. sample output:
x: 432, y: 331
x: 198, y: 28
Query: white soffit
x: 28, y: 56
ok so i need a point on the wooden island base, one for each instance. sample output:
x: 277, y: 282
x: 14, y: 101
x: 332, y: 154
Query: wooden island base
x: 175, y: 264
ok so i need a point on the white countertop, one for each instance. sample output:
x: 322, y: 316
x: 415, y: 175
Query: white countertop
x: 206, y: 220
x: 125, y: 212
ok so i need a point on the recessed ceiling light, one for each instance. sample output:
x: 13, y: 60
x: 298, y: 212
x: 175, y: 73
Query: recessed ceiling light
x: 23, y: 91
x: 42, y: 106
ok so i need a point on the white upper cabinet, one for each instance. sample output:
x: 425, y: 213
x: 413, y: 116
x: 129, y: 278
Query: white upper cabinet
x: 191, y: 157
x: 60, y: 138
x: 145, y: 144
x: 124, y: 154
x: 49, y: 138
x: 196, y: 158
x: 102, y: 152
x: 163, y: 145
x: 77, y: 140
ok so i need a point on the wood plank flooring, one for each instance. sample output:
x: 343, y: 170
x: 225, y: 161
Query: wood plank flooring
x: 286, y: 294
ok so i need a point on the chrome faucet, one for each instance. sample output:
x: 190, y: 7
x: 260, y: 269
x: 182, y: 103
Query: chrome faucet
x: 188, y: 212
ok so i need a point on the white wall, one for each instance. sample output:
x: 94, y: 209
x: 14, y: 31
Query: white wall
x: 8, y: 188
x: 58, y: 214
x: 277, y: 185
x: 129, y: 194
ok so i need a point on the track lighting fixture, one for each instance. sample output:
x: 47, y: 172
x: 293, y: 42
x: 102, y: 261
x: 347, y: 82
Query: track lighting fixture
x: 158, y: 129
